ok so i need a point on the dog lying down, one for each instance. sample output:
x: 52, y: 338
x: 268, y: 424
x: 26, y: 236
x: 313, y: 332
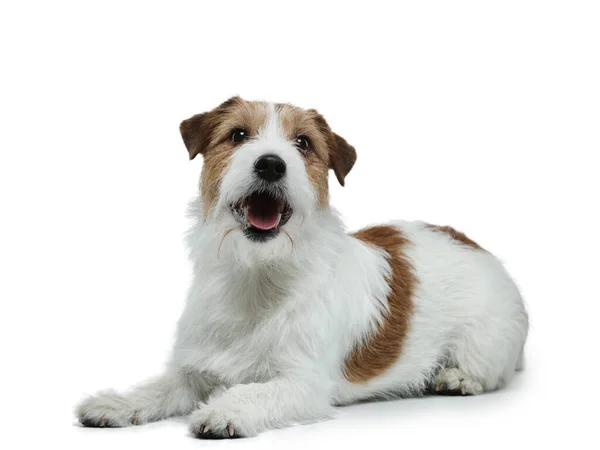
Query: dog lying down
x: 288, y: 315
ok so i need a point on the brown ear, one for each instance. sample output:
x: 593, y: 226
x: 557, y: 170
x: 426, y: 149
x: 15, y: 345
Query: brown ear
x: 342, y: 157
x: 197, y: 130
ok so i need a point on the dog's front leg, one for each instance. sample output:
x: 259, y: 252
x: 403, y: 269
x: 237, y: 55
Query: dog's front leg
x: 173, y: 394
x: 247, y: 409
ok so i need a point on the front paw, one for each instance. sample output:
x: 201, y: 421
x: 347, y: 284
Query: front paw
x: 106, y: 410
x: 221, y: 422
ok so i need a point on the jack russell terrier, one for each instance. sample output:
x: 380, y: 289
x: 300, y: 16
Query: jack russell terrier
x: 288, y: 315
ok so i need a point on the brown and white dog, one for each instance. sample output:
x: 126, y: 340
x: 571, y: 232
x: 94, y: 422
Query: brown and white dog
x: 288, y: 315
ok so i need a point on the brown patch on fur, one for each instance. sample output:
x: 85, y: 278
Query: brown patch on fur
x: 384, y: 346
x: 295, y: 122
x: 216, y: 163
x: 456, y: 235
x: 208, y: 134
x: 329, y: 151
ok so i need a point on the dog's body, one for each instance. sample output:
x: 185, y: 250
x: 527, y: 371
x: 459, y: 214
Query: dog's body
x: 288, y: 315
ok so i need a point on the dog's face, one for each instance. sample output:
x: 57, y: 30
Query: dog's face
x: 265, y: 172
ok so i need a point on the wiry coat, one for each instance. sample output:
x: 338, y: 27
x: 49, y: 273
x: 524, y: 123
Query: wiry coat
x: 279, y: 331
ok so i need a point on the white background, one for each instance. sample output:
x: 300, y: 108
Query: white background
x: 481, y: 115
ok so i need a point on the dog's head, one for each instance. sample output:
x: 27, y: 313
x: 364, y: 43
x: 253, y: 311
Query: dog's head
x: 265, y: 172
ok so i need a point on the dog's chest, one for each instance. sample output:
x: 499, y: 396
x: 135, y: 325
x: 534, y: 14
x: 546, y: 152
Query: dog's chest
x: 241, y: 354
x: 238, y: 342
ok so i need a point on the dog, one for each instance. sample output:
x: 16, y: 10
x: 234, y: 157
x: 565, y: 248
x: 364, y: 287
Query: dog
x: 289, y: 316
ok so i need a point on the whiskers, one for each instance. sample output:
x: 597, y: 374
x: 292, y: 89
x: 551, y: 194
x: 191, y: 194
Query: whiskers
x: 221, y: 242
x: 245, y: 250
x: 290, y: 238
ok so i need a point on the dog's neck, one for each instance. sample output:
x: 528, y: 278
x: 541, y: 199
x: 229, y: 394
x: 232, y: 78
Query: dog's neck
x: 311, y: 257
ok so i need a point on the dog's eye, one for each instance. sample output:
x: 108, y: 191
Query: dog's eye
x: 303, y: 143
x: 238, y: 135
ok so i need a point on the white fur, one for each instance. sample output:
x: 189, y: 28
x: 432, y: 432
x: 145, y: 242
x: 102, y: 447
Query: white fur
x: 267, y: 326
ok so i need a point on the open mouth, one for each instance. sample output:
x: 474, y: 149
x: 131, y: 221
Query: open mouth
x: 261, y: 215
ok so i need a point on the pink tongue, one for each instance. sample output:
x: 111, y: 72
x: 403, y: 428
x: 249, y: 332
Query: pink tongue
x: 262, y: 218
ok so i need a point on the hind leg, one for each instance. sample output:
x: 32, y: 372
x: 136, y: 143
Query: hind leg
x: 455, y: 381
x: 475, y: 367
x: 485, y: 357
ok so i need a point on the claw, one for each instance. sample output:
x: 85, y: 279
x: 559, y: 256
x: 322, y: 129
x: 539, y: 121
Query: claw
x: 230, y: 430
x: 103, y: 421
x: 206, y: 429
x: 201, y: 429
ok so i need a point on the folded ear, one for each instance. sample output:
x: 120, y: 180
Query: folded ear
x: 341, y: 158
x: 197, y: 130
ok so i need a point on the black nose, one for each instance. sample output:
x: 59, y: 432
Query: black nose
x: 270, y: 167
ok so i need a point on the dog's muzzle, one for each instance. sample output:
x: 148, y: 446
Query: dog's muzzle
x: 265, y: 209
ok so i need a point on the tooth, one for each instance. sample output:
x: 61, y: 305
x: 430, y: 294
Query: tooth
x: 278, y: 220
x: 246, y: 220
